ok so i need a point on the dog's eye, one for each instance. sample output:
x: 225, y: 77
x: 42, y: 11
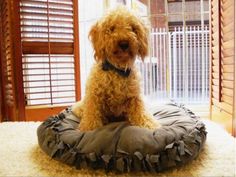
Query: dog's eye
x: 112, y: 28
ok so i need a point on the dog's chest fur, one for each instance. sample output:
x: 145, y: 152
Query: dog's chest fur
x: 115, y: 90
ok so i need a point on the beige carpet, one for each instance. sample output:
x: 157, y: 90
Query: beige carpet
x: 21, y: 156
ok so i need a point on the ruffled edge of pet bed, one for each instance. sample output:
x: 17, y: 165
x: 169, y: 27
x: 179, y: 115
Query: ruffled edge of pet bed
x: 174, y: 154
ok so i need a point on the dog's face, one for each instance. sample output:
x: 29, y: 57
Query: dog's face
x: 119, y: 37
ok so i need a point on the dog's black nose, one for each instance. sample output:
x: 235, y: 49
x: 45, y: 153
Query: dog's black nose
x: 124, y: 45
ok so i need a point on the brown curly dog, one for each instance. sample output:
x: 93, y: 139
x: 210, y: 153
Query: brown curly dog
x: 113, y: 89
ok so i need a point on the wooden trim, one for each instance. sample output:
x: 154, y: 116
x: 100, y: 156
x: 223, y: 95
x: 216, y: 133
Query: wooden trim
x: 41, y: 113
x: 226, y: 122
x: 1, y: 83
x: 220, y: 43
x: 76, y: 50
x: 4, y: 106
x: 18, y: 74
x: 223, y: 106
x: 43, y: 47
x: 234, y: 103
x: 210, y: 60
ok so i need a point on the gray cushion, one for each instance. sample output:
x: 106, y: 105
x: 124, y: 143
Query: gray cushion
x: 121, y: 147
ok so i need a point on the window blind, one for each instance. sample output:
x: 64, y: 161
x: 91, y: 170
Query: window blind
x: 222, y: 54
x: 47, y: 34
x: 215, y: 50
x: 223, y: 62
x: 227, y: 54
x: 47, y: 20
x: 7, y: 54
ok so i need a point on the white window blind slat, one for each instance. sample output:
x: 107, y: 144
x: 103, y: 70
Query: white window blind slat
x: 56, y: 79
x: 38, y: 17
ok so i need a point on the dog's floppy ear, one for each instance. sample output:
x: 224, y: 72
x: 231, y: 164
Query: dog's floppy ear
x: 95, y: 38
x: 142, y: 33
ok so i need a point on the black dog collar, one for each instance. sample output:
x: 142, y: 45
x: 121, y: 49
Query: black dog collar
x: 106, y: 66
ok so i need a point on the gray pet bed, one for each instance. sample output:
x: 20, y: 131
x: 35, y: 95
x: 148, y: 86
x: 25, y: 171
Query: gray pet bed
x: 121, y: 147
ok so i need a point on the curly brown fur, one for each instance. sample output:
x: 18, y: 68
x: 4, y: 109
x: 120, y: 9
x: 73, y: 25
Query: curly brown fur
x: 119, y: 38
